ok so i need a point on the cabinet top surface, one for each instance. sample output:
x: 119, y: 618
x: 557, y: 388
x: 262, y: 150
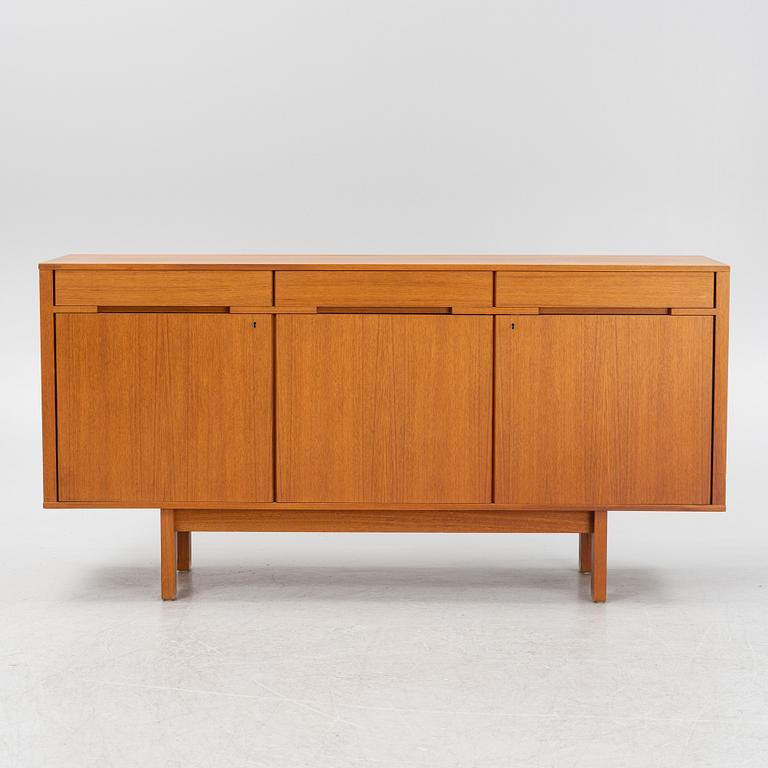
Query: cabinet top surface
x: 372, y: 261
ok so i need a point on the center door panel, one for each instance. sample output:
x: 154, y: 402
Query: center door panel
x: 384, y: 408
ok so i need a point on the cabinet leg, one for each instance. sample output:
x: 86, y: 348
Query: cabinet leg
x: 183, y: 550
x: 585, y: 552
x: 167, y: 555
x: 599, y: 555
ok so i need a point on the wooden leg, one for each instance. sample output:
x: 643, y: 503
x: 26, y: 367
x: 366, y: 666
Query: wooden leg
x: 183, y: 550
x: 599, y: 555
x: 585, y: 552
x: 167, y: 555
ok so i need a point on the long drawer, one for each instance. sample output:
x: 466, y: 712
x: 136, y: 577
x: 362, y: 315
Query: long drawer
x: 379, y: 288
x: 605, y: 289
x: 189, y: 288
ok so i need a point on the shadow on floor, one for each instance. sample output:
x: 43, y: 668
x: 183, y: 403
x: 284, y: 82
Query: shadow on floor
x: 391, y: 583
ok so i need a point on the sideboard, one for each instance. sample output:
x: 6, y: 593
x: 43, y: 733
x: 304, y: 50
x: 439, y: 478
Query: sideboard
x: 384, y: 393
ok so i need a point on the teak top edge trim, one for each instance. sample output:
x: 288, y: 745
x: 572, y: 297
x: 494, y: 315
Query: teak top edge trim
x: 405, y: 262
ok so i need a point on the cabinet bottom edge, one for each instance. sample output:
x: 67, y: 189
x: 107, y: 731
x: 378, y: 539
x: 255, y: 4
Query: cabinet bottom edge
x: 374, y: 507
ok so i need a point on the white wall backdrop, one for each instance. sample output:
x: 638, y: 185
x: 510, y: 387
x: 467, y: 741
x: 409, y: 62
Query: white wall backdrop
x: 590, y: 127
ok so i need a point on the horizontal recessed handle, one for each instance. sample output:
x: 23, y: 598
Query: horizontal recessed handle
x: 384, y: 310
x: 161, y: 309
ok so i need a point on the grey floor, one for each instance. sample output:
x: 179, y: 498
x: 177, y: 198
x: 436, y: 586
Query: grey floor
x: 319, y: 650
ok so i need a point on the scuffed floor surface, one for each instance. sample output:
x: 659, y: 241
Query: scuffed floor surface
x: 405, y: 653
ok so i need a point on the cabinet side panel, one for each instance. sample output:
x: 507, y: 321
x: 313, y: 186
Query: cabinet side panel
x: 165, y: 409
x: 720, y: 406
x: 603, y: 410
x: 48, y: 380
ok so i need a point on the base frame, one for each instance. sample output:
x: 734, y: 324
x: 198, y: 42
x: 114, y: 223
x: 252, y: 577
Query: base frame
x: 177, y: 525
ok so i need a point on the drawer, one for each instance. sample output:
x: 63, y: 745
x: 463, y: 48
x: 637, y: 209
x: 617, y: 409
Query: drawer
x: 605, y: 289
x: 182, y: 288
x: 375, y: 288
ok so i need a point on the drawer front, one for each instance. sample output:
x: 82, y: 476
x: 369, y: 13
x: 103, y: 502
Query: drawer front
x: 151, y: 288
x: 605, y: 289
x: 376, y: 288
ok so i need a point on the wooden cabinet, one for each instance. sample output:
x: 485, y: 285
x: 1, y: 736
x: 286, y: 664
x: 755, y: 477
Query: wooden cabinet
x: 384, y: 393
x: 384, y: 408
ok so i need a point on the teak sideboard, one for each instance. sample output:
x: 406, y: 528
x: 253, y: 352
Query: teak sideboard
x: 374, y: 393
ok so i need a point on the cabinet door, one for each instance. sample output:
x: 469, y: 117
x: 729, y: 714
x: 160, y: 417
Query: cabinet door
x: 164, y: 408
x: 384, y: 408
x: 603, y: 410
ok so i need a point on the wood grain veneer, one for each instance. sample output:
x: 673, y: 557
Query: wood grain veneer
x: 163, y: 288
x: 164, y: 406
x: 605, y: 289
x: 603, y: 409
x: 403, y: 521
x: 384, y: 408
x: 354, y: 288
